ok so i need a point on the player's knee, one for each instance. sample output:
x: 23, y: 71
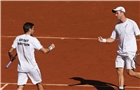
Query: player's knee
x: 20, y: 87
x: 40, y: 86
x: 120, y: 71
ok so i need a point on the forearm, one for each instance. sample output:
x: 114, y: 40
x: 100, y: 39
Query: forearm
x: 10, y: 52
x: 105, y: 40
x: 46, y: 50
x: 109, y: 40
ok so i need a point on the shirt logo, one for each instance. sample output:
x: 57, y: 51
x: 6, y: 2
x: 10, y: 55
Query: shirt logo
x: 23, y: 42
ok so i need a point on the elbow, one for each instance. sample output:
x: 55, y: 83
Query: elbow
x: 45, y: 52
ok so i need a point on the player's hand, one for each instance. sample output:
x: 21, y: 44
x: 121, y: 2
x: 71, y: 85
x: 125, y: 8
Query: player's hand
x: 12, y: 58
x: 53, y: 46
x: 100, y: 39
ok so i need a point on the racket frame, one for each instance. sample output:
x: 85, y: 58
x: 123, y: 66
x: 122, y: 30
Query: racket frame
x: 135, y: 59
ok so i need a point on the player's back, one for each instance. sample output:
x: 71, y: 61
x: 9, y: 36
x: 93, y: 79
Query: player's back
x: 25, y: 50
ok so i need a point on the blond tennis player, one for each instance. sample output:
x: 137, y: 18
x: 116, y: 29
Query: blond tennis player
x: 126, y: 31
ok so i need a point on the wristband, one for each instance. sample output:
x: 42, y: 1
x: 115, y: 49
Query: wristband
x: 104, y: 40
x: 50, y: 48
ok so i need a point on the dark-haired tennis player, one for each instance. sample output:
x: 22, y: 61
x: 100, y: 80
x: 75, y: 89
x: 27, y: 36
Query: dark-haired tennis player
x: 25, y: 46
x: 126, y: 31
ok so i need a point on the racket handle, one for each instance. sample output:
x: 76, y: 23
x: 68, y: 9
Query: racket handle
x: 8, y: 64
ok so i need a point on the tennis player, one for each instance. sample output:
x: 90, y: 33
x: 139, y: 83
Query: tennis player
x: 25, y: 45
x: 126, y: 31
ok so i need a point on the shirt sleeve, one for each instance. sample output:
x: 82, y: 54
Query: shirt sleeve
x: 136, y: 29
x: 114, y: 34
x: 14, y: 45
x: 37, y: 45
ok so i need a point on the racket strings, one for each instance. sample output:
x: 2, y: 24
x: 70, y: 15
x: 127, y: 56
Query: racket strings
x: 137, y: 59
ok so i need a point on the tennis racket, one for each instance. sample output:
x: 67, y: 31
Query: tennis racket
x: 11, y: 61
x: 137, y: 59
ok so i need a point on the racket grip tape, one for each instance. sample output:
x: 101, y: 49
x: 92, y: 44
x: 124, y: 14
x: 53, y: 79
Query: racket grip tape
x: 8, y: 64
x: 10, y: 61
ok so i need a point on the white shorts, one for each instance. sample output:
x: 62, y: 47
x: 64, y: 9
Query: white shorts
x: 125, y: 61
x: 34, y: 75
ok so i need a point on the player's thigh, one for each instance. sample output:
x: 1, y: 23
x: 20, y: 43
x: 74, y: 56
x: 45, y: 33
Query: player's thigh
x: 119, y: 62
x: 35, y: 76
x: 22, y: 78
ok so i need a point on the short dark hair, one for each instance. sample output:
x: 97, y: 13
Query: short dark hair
x: 27, y: 26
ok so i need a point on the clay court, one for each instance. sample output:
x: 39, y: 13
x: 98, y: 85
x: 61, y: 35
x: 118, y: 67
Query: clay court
x: 79, y: 61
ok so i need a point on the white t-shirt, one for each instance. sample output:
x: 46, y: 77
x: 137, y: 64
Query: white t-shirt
x: 25, y: 45
x: 126, y: 32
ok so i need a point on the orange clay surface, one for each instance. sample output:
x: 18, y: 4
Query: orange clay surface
x: 80, y: 56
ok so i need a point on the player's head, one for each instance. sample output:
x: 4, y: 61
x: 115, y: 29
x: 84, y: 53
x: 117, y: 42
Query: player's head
x: 28, y: 27
x: 119, y: 12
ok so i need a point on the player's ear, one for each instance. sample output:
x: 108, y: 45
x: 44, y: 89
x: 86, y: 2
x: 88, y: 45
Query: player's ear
x: 30, y: 29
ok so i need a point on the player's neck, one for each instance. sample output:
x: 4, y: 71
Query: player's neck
x: 123, y: 19
x: 28, y: 33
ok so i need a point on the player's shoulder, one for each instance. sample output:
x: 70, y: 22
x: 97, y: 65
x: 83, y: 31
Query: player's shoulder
x: 130, y: 20
x: 19, y: 36
x: 34, y: 38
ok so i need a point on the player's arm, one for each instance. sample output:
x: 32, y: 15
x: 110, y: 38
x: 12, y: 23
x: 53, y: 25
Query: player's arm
x: 10, y: 52
x: 105, y: 40
x: 46, y: 50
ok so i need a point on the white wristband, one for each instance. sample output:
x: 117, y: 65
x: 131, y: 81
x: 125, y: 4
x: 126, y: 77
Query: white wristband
x: 50, y: 48
x: 104, y: 40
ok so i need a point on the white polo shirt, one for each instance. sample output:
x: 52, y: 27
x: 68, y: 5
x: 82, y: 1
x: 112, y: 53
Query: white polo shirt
x: 126, y: 32
x: 25, y: 45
